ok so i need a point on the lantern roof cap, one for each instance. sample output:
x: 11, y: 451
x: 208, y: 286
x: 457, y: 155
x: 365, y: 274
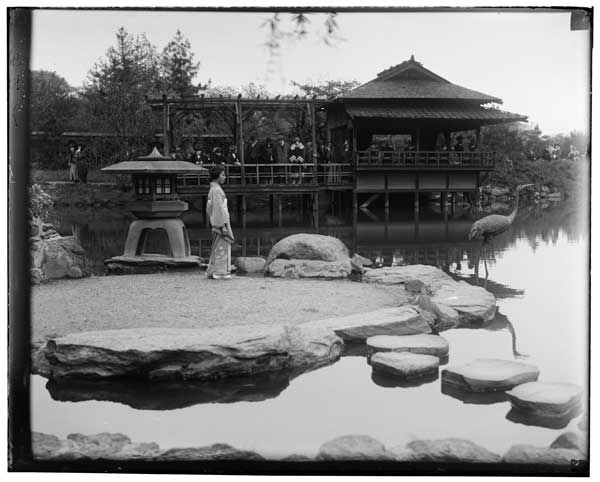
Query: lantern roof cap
x: 154, y: 163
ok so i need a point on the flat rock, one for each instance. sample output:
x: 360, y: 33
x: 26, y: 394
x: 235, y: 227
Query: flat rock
x: 470, y: 302
x: 212, y: 452
x: 546, y: 399
x: 404, y: 364
x: 448, y: 450
x: 402, y: 320
x: 529, y: 454
x: 305, y: 268
x: 309, y: 246
x: 357, y: 258
x: 451, y: 301
x: 250, y: 264
x: 570, y: 440
x: 116, y: 446
x: 353, y: 447
x: 490, y: 374
x: 184, y: 354
x: 424, y: 344
x: 432, y: 277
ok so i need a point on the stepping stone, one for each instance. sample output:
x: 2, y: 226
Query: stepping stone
x: 490, y: 374
x: 423, y: 344
x: 546, y: 399
x: 404, y: 364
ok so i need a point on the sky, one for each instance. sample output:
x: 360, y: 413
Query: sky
x: 531, y: 60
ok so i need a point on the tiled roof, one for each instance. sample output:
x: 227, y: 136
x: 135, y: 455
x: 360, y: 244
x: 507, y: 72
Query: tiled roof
x: 434, y: 112
x: 416, y: 89
x: 410, y: 80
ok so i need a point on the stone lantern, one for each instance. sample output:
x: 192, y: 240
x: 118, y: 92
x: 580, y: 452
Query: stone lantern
x: 156, y: 206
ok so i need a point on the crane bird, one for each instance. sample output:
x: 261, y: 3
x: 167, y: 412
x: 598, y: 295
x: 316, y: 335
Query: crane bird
x: 495, y: 224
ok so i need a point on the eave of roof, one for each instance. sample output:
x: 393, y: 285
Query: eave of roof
x: 476, y: 113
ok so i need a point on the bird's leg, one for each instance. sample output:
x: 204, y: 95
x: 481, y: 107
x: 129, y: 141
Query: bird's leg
x: 513, y: 335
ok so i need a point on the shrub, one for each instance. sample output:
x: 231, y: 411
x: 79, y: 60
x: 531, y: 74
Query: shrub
x: 39, y: 201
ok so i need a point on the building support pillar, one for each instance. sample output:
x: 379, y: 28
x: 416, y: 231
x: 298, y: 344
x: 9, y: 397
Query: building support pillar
x: 315, y: 209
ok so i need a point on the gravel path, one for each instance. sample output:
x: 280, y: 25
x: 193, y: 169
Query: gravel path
x: 189, y: 300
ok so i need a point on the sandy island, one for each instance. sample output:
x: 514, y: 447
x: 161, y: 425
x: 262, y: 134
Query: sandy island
x: 189, y: 300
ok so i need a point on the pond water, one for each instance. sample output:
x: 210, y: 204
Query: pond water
x: 538, y: 271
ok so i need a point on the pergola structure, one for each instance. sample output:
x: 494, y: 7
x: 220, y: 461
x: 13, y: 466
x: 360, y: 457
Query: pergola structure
x: 233, y: 111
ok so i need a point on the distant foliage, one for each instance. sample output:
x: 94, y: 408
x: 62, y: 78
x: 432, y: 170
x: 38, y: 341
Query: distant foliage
x: 39, y: 201
x: 327, y: 90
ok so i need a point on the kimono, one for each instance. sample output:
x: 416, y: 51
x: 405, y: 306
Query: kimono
x: 219, y: 264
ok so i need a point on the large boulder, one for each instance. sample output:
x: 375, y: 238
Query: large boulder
x: 58, y: 258
x: 451, y: 301
x: 424, y: 344
x: 529, y: 454
x: 405, y: 365
x: 306, y: 268
x: 209, y: 353
x: 446, y: 450
x: 353, y: 447
x: 402, y: 320
x: 546, y: 400
x: 250, y: 264
x: 309, y: 246
x: 489, y: 374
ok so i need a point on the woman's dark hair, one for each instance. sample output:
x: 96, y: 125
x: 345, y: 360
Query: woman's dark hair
x: 216, y: 171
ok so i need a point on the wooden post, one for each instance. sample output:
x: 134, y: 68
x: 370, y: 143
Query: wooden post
x: 354, y: 206
x: 271, y: 208
x: 279, y: 211
x: 443, y: 203
x: 316, y: 209
x: 417, y: 146
x: 165, y: 119
x: 387, y: 201
x: 240, y: 139
x: 416, y: 193
x: 478, y: 137
x: 313, y: 128
x: 243, y: 211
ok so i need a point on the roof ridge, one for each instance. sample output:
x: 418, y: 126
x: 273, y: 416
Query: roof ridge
x: 411, y: 63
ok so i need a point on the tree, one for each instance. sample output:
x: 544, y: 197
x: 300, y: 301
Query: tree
x: 178, y: 68
x: 328, y: 89
x: 116, y: 89
x: 53, y: 102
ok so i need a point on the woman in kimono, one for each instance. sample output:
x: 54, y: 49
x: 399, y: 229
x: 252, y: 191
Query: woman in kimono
x: 219, y: 265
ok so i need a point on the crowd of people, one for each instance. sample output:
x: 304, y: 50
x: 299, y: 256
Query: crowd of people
x: 261, y: 153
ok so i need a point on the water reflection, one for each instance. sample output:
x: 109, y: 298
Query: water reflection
x: 527, y: 418
x: 389, y: 381
x: 476, y: 398
x: 170, y: 395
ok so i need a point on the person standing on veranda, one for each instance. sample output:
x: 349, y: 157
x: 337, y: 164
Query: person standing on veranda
x: 219, y: 264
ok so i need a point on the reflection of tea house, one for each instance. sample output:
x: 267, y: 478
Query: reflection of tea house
x: 157, y: 207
